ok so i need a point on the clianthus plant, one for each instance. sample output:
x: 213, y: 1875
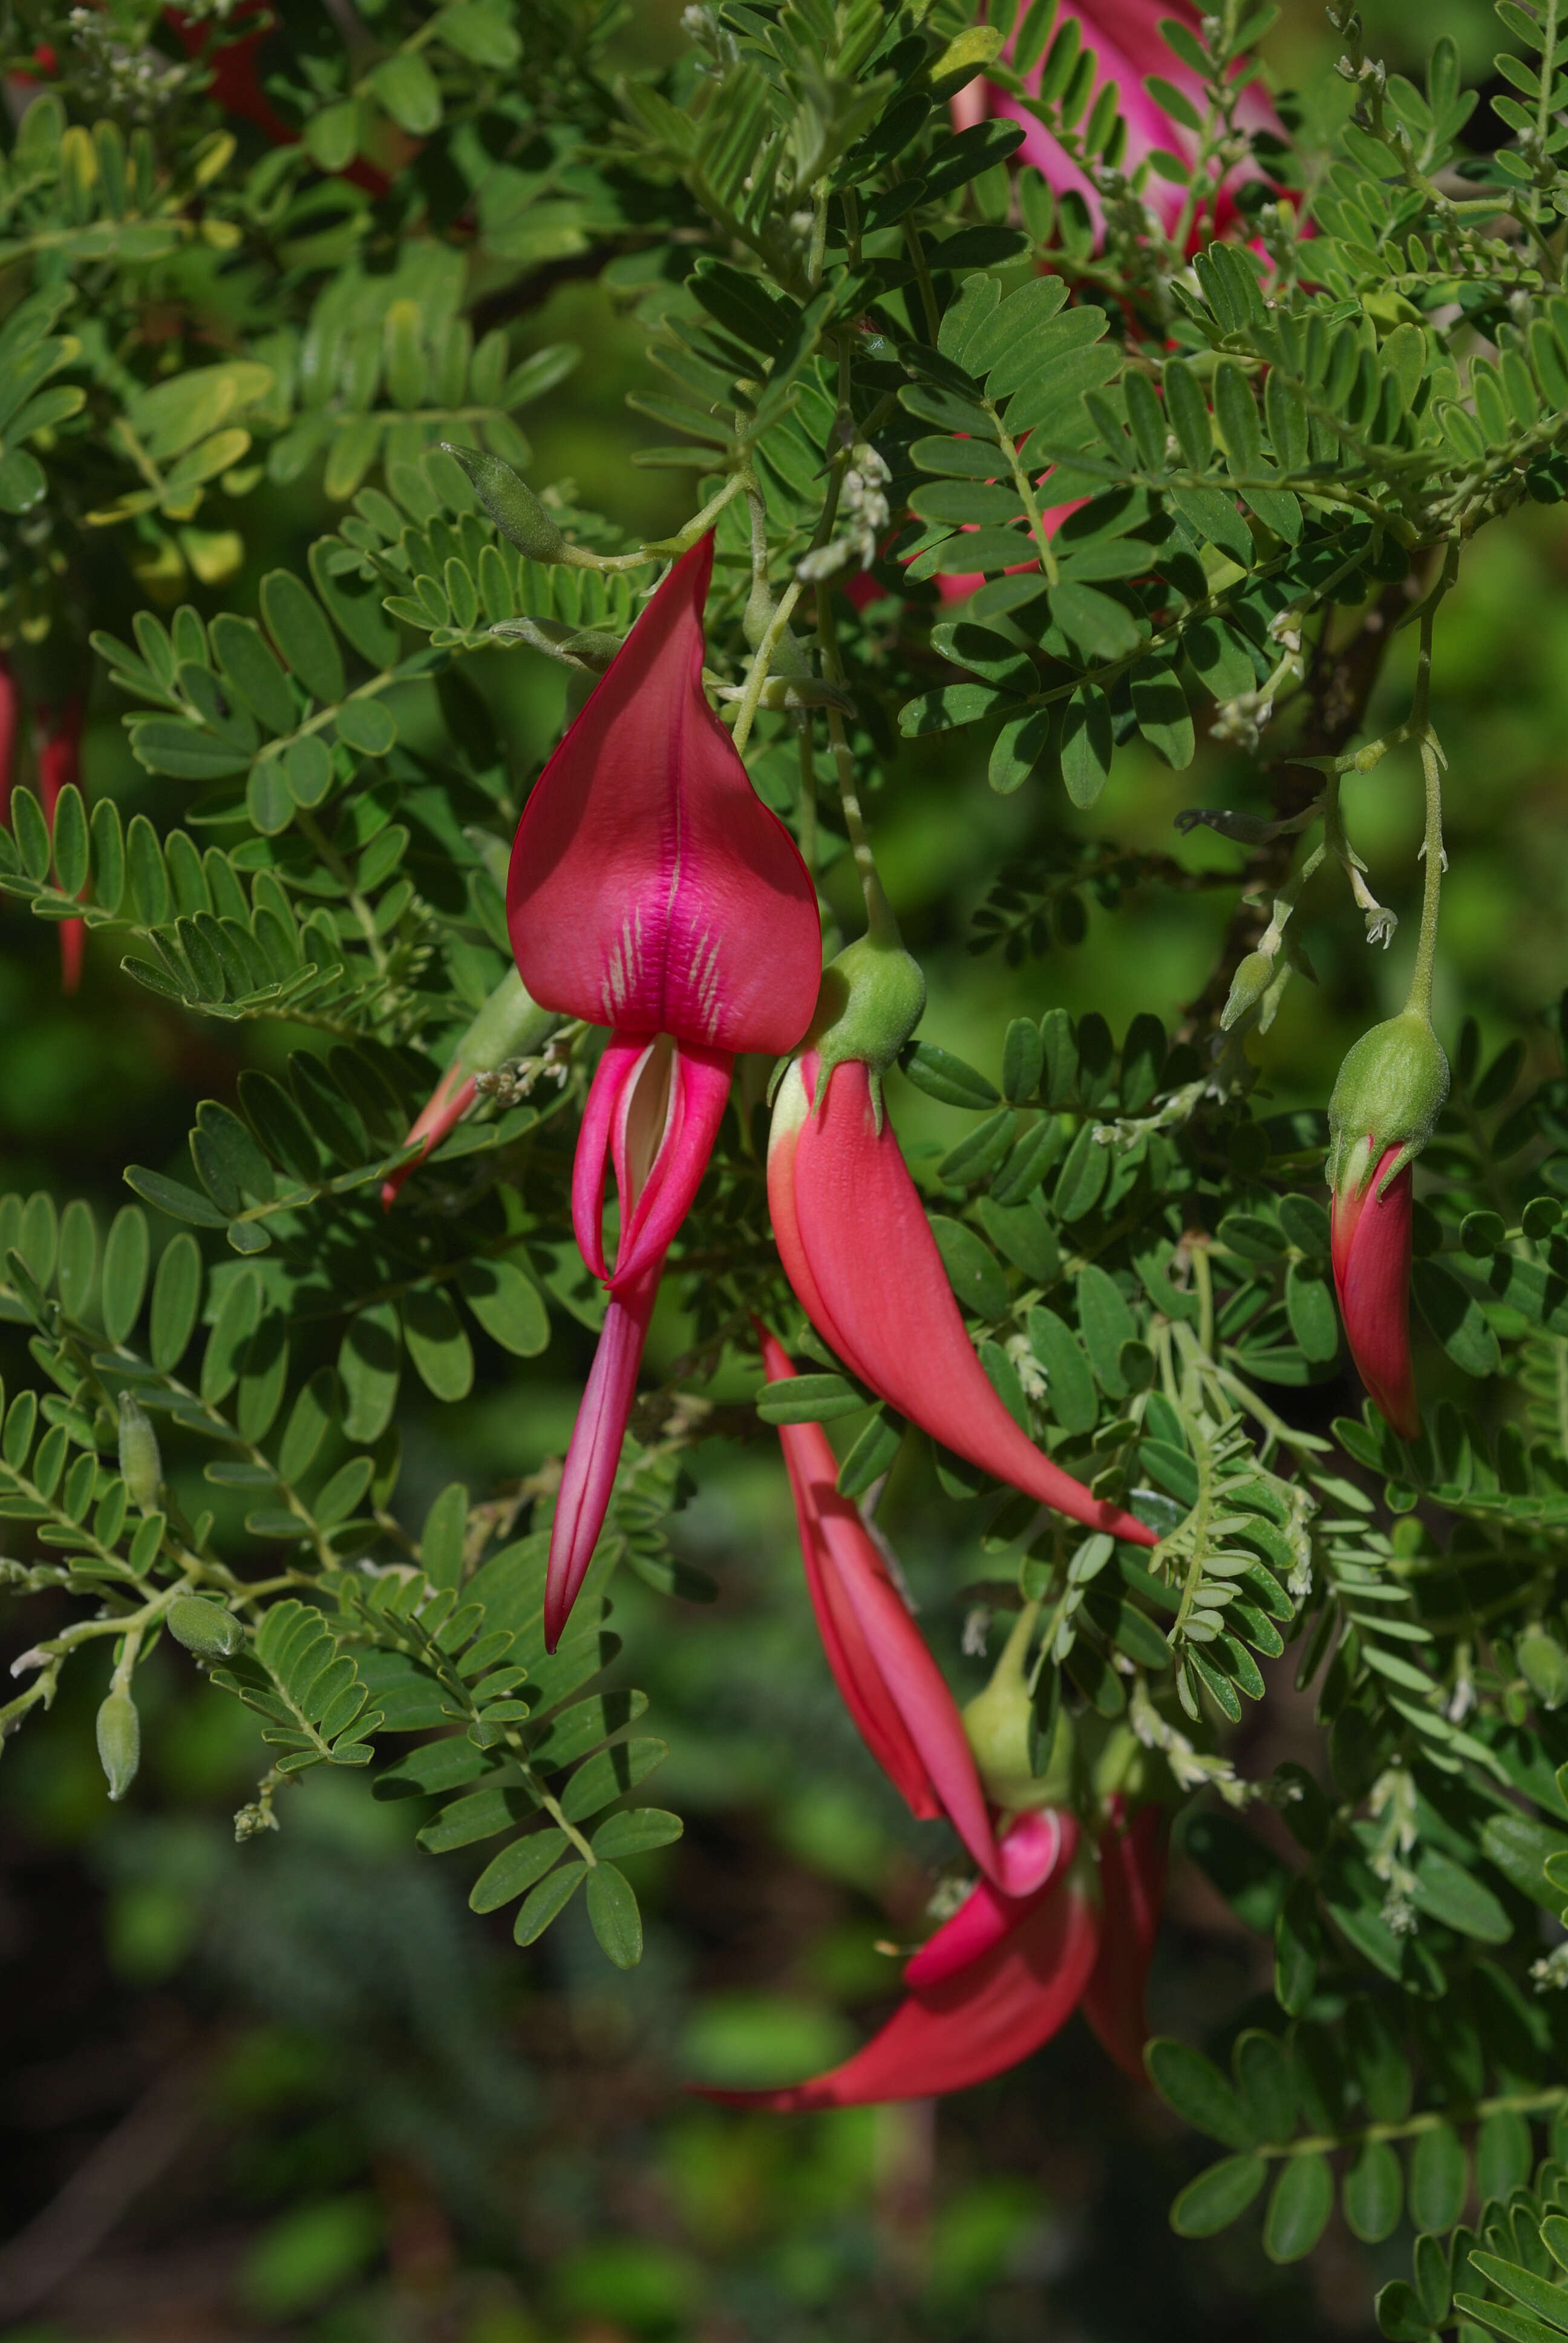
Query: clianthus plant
x: 1039, y: 383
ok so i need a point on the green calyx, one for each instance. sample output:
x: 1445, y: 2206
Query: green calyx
x: 996, y: 1722
x: 1390, y: 1092
x: 872, y: 997
x: 511, y: 504
x: 511, y: 1024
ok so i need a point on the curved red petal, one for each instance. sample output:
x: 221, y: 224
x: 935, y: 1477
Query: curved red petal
x: 1036, y: 1850
x: 60, y: 764
x: 971, y: 2027
x: 810, y: 1464
x: 650, y: 888
x: 448, y: 1103
x: 10, y: 711
x: 1371, y: 1253
x: 699, y: 1091
x: 588, y: 1474
x: 1132, y: 1889
x: 616, y: 1069
x: 893, y: 1686
x: 844, y: 1206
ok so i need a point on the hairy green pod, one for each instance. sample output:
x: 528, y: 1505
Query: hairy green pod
x: 511, y: 504
x: 141, y: 1464
x: 119, y: 1733
x: 204, y: 1628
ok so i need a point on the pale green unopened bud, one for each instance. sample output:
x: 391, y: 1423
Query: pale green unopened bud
x: 872, y: 999
x: 1390, y: 1092
x: 1248, y: 986
x: 204, y: 1628
x: 119, y: 1741
x: 511, y: 1024
x: 511, y: 504
x: 996, y: 1722
x: 1543, y: 1664
x: 141, y: 1466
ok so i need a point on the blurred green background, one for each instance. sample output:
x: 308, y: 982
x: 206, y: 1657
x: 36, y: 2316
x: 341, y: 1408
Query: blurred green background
x: 296, y: 2089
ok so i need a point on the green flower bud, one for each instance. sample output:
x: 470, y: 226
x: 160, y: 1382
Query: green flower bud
x: 204, y: 1628
x: 1248, y: 986
x: 511, y: 504
x: 141, y: 1466
x: 872, y: 997
x: 996, y: 1722
x: 119, y: 1741
x: 1543, y: 1664
x: 511, y: 1024
x: 1390, y: 1092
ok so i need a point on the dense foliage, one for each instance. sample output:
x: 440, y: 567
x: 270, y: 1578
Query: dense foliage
x: 1074, y: 478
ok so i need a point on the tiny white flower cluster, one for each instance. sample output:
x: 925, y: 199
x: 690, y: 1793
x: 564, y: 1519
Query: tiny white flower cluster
x: 864, y: 514
x: 1036, y: 1382
x: 1550, y: 1973
x: 511, y: 1083
x: 136, y: 82
x: 977, y: 1630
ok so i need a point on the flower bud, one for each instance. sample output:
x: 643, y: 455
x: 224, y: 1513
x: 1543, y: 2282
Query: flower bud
x: 1248, y: 986
x: 1390, y: 1092
x: 204, y: 1628
x: 872, y: 997
x: 1543, y: 1664
x: 996, y: 1722
x: 511, y: 504
x: 119, y: 1741
x: 141, y: 1466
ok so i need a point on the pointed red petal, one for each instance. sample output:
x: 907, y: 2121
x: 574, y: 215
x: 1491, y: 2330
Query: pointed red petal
x: 890, y: 1684
x: 448, y: 1103
x: 59, y: 764
x: 594, y: 1452
x: 1035, y: 1851
x: 1132, y: 1889
x: 10, y: 709
x: 971, y: 2027
x: 650, y: 888
x: 844, y: 1205
x: 699, y: 1091
x: 1371, y: 1251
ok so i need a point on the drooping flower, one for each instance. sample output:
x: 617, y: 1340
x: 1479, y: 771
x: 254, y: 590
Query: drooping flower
x: 1390, y: 1092
x: 1129, y: 48
x: 60, y: 764
x: 859, y: 1251
x: 653, y: 892
x: 10, y: 711
x: 1044, y: 1930
x: 509, y: 1025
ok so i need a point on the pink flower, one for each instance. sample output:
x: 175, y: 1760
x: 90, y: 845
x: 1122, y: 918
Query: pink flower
x: 1386, y: 1099
x: 1038, y: 1935
x: 652, y: 891
x: 60, y: 764
x: 1371, y: 1247
x: 859, y: 1251
x: 1129, y: 47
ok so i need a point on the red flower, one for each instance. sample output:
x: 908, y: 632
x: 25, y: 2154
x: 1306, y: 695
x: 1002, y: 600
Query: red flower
x: 1033, y: 1940
x: 652, y: 891
x: 59, y: 764
x: 859, y: 1251
x: 1371, y: 1246
x: 1129, y: 47
x: 10, y: 711
x: 509, y: 1025
x: 1386, y: 1099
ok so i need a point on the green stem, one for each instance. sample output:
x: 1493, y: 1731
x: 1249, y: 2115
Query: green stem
x: 879, y: 920
x: 808, y: 823
x: 1419, y: 1002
